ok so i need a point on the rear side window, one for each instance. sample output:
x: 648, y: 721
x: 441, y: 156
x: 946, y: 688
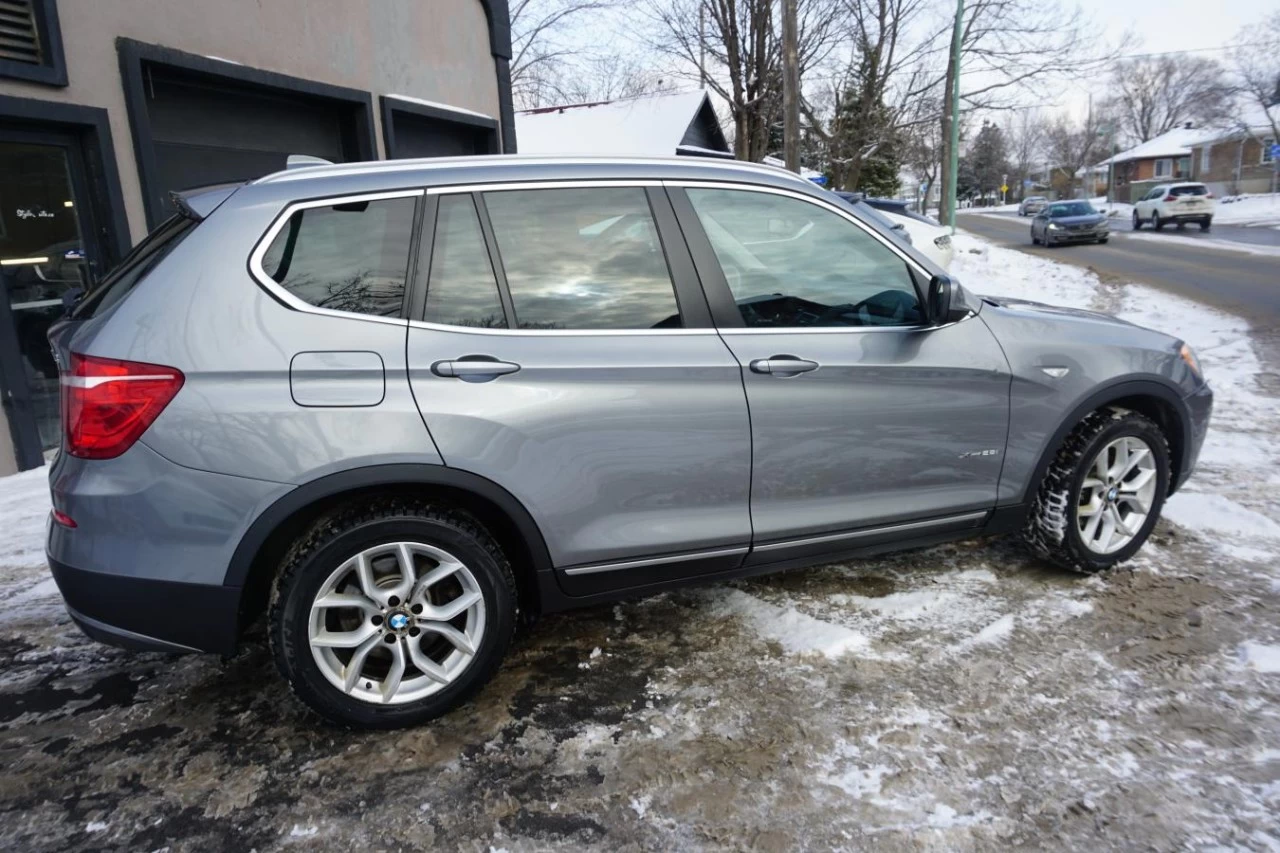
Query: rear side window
x: 583, y: 259
x: 346, y: 257
x: 134, y: 268
x: 462, y: 290
x: 1193, y: 189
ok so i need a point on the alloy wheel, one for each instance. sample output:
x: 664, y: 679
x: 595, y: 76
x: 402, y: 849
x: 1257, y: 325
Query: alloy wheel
x: 397, y: 622
x: 1117, y: 494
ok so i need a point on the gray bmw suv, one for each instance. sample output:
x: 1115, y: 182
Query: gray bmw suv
x: 395, y: 408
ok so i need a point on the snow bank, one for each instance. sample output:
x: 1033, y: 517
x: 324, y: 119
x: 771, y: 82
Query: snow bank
x: 1261, y: 657
x: 793, y: 630
x: 1260, y: 210
x: 24, y: 506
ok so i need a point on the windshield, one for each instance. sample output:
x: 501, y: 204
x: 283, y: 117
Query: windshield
x: 1071, y: 208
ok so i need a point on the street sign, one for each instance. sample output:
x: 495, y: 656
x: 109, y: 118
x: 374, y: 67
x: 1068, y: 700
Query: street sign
x: 1004, y: 188
x: 1275, y: 152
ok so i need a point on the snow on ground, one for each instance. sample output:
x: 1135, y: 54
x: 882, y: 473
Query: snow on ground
x: 1262, y: 209
x: 961, y: 697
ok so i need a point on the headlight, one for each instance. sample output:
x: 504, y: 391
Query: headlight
x: 1053, y: 226
x: 1190, y: 358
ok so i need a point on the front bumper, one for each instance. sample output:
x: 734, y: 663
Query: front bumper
x: 1199, y: 405
x: 1064, y: 236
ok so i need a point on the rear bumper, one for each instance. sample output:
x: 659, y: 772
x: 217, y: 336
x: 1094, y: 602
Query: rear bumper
x: 1188, y: 217
x: 147, y: 614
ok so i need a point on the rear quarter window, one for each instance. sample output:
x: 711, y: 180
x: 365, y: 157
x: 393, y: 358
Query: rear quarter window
x: 153, y: 249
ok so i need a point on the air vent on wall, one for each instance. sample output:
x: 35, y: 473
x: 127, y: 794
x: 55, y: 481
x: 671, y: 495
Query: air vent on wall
x: 19, y: 37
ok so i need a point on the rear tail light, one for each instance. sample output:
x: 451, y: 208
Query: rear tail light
x: 108, y: 403
x: 1171, y: 198
x: 62, y: 518
x: 1208, y: 195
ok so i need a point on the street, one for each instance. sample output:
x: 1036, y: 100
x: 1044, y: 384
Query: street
x: 1244, y: 280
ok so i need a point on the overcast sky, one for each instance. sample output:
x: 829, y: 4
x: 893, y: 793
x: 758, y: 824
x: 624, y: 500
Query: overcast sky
x: 1170, y: 25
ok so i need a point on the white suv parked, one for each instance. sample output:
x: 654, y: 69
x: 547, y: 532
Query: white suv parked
x: 1177, y: 203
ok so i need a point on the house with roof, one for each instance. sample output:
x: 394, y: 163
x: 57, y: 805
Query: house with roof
x: 1238, y: 159
x: 1166, y: 157
x: 663, y: 125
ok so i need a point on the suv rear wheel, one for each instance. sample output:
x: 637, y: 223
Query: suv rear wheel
x: 1102, y: 494
x: 389, y: 614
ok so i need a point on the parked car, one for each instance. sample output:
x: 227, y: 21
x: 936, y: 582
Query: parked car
x: 932, y: 240
x: 1070, y: 222
x: 1176, y: 203
x: 860, y: 202
x: 399, y: 407
x: 1031, y: 205
x: 929, y: 238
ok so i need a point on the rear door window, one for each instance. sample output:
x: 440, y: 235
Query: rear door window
x: 583, y: 259
x: 462, y: 290
x: 351, y: 256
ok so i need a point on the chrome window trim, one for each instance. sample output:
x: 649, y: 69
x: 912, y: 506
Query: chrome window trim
x: 268, y: 237
x: 551, y: 333
x: 693, y: 183
x: 655, y: 561
x: 552, y: 184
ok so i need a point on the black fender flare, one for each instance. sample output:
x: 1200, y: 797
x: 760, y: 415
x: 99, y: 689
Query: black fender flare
x: 1156, y: 387
x: 374, y: 476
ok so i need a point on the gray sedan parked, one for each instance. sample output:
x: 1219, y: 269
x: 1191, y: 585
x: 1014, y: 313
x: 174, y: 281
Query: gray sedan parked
x: 395, y: 408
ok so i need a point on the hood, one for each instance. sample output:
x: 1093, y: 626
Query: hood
x: 1028, y: 308
x: 1086, y: 219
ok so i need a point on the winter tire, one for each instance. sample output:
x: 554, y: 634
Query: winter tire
x: 1102, y: 241
x: 390, y: 613
x: 1156, y: 222
x: 1137, y: 221
x: 1035, y: 241
x: 1204, y: 224
x: 1102, y: 494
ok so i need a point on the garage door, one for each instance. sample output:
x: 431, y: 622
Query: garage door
x: 417, y: 136
x: 205, y: 132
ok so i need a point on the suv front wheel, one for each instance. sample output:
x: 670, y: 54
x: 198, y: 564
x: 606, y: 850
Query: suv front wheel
x: 389, y: 614
x: 1103, y: 493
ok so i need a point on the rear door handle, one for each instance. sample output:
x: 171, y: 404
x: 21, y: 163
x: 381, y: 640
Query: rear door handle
x: 474, y: 368
x: 783, y: 365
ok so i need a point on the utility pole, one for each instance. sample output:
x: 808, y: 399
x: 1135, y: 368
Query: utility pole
x: 955, y: 117
x: 790, y: 88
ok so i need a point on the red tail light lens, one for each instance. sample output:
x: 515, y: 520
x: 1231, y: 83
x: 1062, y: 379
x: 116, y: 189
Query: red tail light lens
x: 108, y: 403
x: 1170, y: 198
x: 1208, y: 195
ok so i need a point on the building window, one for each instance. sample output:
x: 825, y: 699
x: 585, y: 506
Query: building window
x: 31, y: 42
x: 1164, y: 168
x: 1266, y: 150
x: 1205, y: 159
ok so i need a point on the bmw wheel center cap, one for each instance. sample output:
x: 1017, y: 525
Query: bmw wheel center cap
x: 398, y: 621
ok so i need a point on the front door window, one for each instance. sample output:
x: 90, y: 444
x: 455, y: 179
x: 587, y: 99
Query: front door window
x: 42, y: 256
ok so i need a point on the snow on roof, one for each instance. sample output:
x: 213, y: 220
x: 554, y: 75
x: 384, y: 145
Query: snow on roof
x: 1256, y: 119
x: 1172, y: 143
x: 652, y: 125
x: 439, y: 106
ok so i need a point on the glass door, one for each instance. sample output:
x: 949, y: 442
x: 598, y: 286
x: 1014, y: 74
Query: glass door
x: 45, y: 231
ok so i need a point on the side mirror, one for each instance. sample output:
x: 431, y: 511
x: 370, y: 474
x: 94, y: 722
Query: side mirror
x: 943, y: 306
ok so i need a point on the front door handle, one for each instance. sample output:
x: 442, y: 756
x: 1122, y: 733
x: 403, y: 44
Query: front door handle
x: 474, y: 368
x: 783, y: 365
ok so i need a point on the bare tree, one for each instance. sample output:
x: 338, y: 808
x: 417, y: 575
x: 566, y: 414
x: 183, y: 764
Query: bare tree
x: 739, y: 40
x: 1255, y: 60
x: 1024, y: 136
x: 608, y: 78
x: 1070, y: 147
x: 541, y: 44
x: 1006, y: 46
x: 875, y: 101
x: 1155, y: 94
